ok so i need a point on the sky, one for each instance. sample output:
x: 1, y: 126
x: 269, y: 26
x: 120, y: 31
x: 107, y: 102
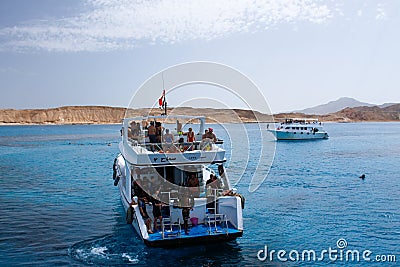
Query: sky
x: 99, y: 52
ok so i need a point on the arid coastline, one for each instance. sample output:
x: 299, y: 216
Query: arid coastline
x: 113, y: 115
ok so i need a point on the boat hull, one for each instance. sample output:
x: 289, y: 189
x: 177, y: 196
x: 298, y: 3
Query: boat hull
x: 288, y: 135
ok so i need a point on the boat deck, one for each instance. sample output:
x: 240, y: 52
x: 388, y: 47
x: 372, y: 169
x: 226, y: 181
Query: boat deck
x: 200, y: 230
x: 198, y: 235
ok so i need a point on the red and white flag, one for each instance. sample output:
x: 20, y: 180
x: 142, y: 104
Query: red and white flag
x: 161, y: 100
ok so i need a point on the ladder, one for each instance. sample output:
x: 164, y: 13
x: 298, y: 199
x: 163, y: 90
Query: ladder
x: 167, y: 223
x: 213, y: 218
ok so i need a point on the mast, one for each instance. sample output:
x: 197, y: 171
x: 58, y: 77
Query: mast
x: 164, y: 99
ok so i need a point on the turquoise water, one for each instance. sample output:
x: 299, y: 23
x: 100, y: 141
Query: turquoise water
x: 58, y: 204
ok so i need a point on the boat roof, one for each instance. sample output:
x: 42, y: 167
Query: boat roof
x: 201, y: 118
x: 139, y: 151
x: 302, y: 119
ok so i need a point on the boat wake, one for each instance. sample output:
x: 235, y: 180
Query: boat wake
x: 105, y: 250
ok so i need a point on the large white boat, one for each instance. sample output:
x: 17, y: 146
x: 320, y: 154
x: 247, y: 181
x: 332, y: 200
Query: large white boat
x: 156, y: 176
x: 299, y: 129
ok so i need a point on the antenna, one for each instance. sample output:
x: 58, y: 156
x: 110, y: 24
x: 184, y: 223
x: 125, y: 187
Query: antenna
x: 162, y: 77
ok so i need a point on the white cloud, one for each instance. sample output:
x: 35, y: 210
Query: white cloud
x: 381, y: 14
x: 122, y: 24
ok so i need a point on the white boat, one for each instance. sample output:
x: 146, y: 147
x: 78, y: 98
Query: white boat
x: 299, y: 129
x: 162, y: 170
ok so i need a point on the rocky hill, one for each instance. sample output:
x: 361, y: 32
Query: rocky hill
x: 63, y: 115
x: 109, y: 115
x: 375, y: 113
x: 356, y: 114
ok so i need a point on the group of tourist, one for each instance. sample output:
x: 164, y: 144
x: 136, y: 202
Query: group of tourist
x: 160, y: 209
x: 156, y: 134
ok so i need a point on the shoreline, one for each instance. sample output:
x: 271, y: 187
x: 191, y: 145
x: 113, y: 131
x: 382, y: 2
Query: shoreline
x: 102, y: 115
x: 113, y: 123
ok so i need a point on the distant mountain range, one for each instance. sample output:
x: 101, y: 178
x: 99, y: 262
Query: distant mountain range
x: 355, y: 114
x: 337, y: 105
x: 341, y: 110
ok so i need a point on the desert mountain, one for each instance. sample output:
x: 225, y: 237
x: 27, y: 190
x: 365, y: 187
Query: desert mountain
x: 107, y: 115
x: 334, y: 106
x: 356, y: 114
x: 375, y: 113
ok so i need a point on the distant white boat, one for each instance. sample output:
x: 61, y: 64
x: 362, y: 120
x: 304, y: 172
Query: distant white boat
x: 144, y: 168
x: 299, y: 129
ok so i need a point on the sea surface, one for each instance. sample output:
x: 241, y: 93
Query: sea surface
x: 58, y: 205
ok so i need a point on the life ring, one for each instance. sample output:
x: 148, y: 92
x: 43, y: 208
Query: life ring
x: 129, y: 215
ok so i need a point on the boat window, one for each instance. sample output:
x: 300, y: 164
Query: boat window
x: 293, y: 128
x: 287, y: 128
x: 297, y: 128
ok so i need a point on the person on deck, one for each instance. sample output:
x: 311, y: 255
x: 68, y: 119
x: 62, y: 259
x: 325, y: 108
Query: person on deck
x: 194, y: 185
x: 190, y: 136
x: 142, y: 199
x: 205, y: 134
x: 152, y: 132
x: 187, y: 205
x: 168, y: 138
x: 159, y: 131
x: 157, y: 205
x: 210, y: 134
x: 212, y: 186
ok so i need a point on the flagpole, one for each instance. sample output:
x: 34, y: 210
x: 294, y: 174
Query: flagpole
x: 165, y: 107
x: 164, y: 102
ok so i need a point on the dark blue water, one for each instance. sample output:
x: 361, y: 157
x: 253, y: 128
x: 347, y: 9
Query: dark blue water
x: 58, y: 205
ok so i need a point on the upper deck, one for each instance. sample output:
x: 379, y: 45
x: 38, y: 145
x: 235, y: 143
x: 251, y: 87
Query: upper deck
x: 301, y: 121
x: 169, y: 148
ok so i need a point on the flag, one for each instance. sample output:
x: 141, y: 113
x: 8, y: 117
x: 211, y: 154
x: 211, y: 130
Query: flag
x: 161, y: 100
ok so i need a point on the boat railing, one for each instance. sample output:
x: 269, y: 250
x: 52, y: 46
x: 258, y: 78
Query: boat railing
x: 175, y: 147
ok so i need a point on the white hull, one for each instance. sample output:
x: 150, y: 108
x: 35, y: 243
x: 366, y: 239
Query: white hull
x: 288, y: 135
x: 169, y: 166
